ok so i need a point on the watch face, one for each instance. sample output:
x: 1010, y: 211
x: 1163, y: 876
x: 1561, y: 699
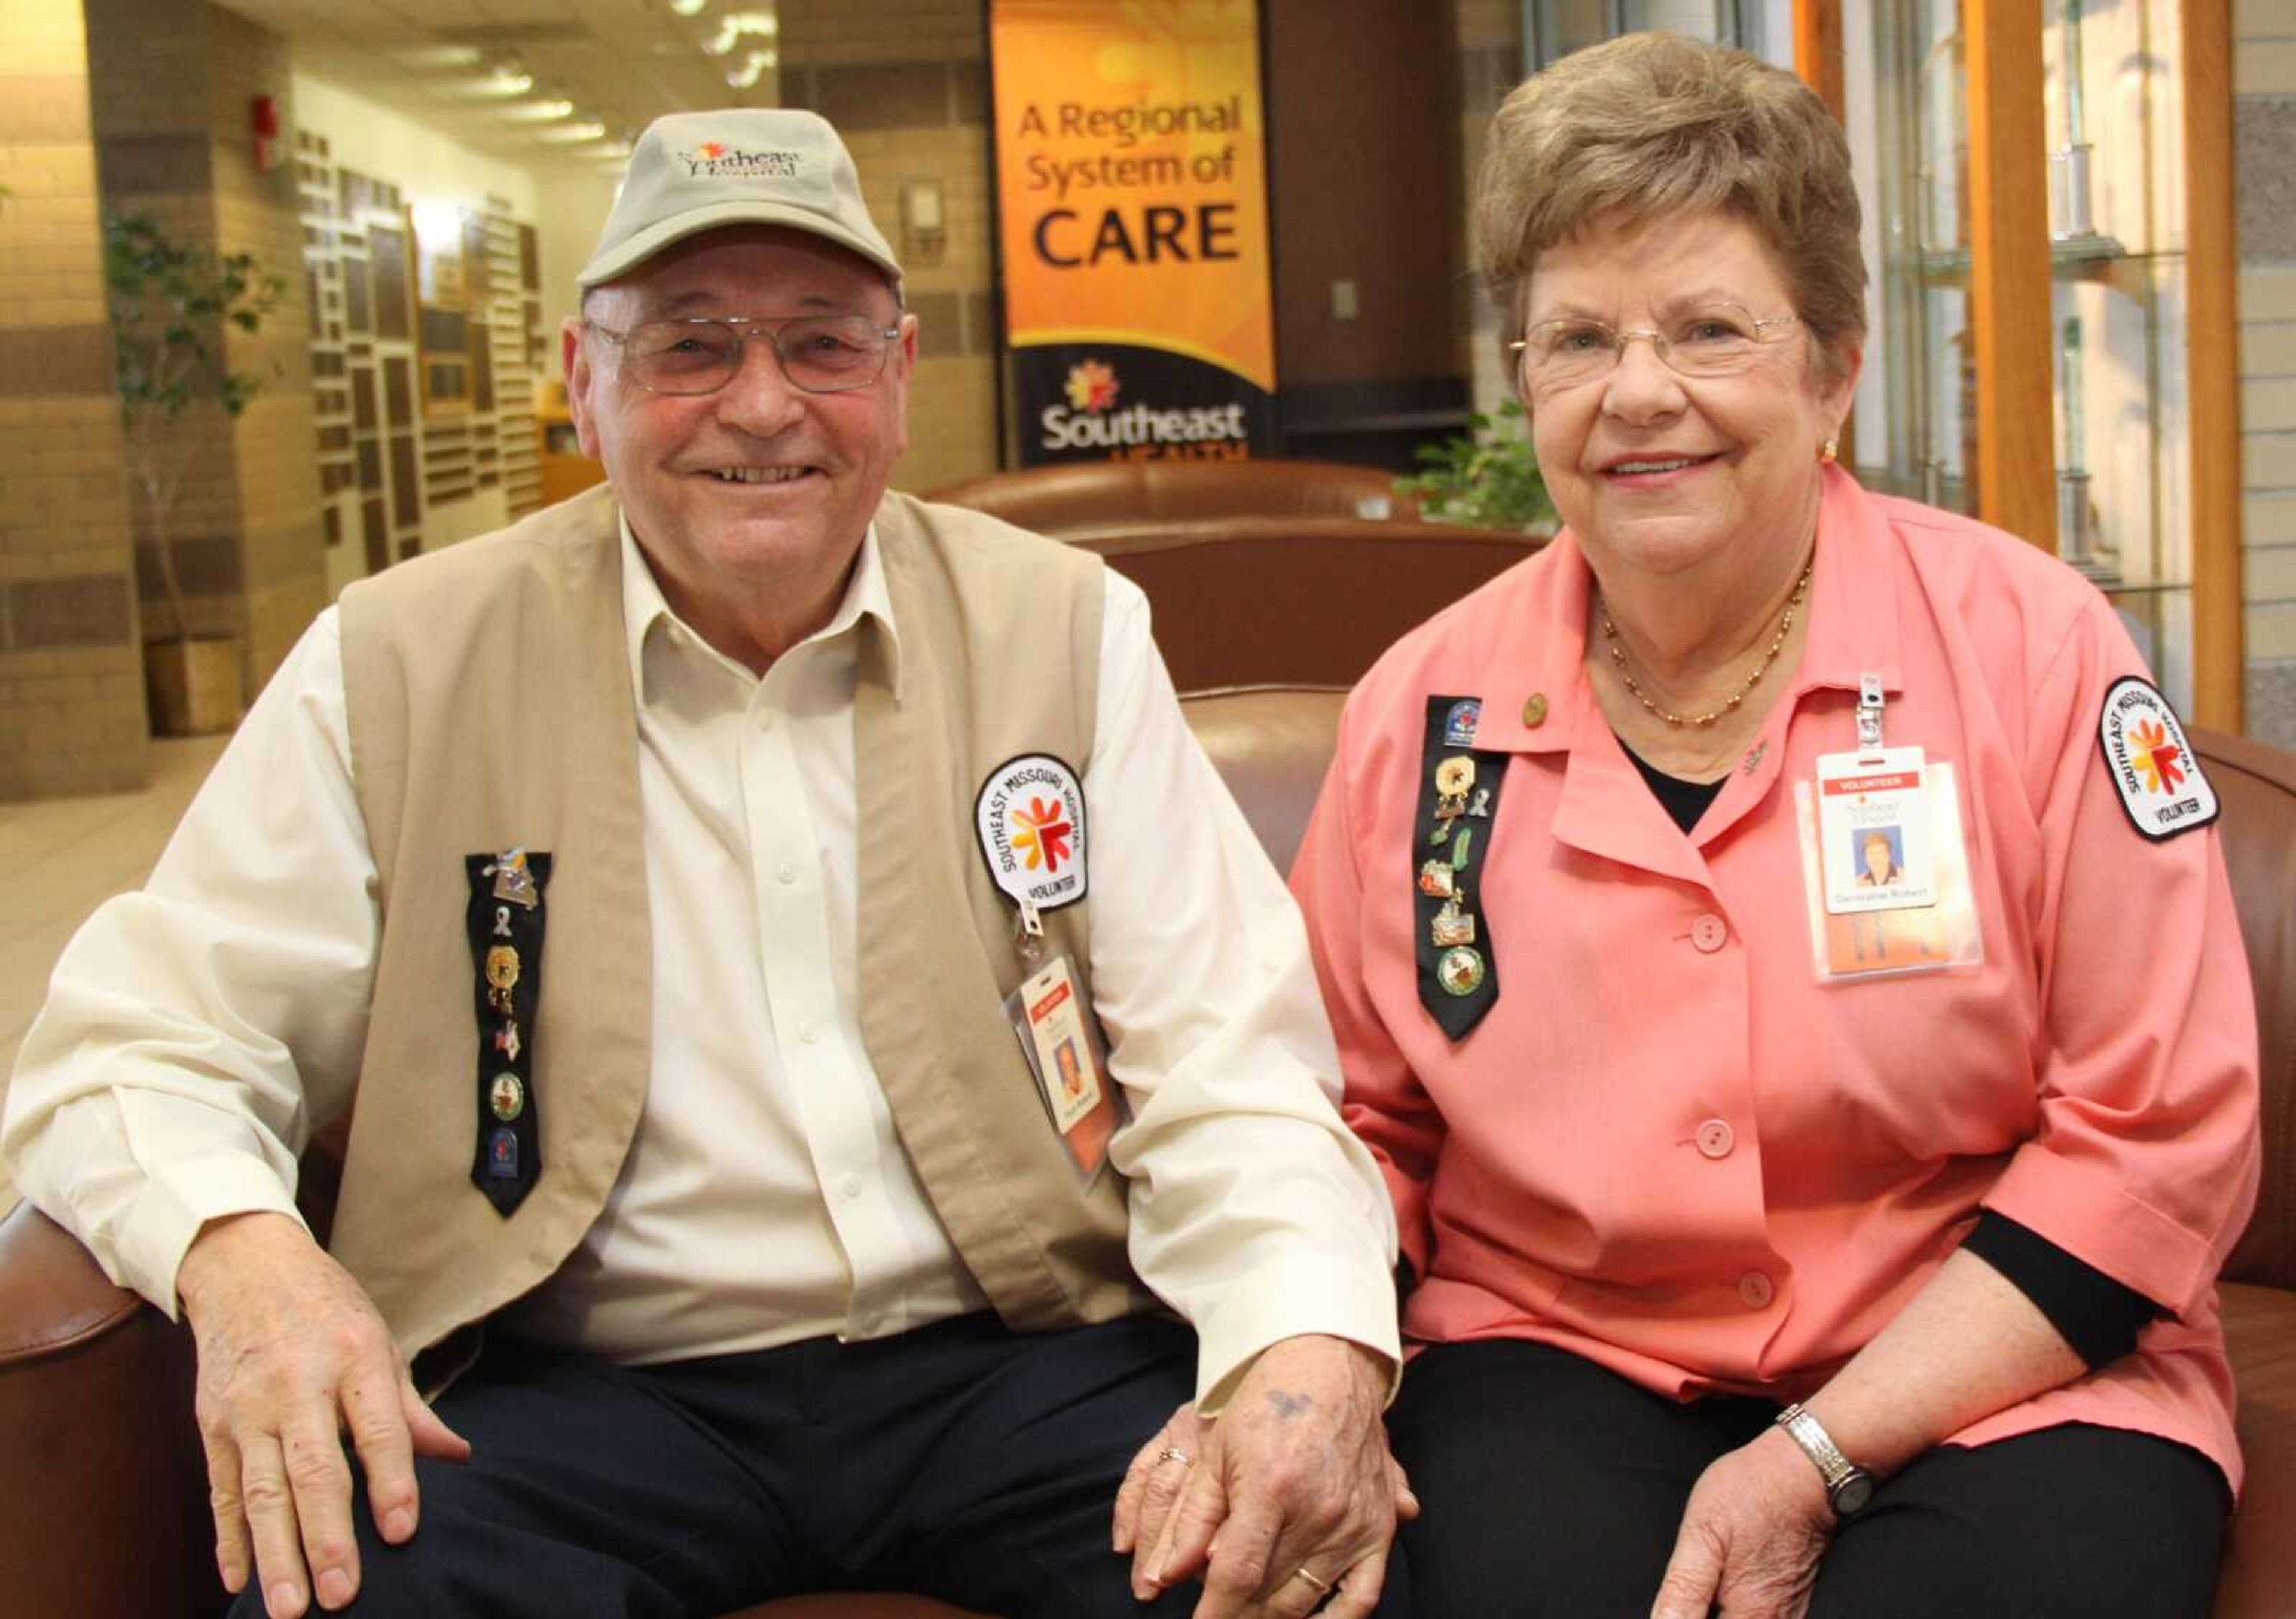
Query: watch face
x: 1852, y: 1493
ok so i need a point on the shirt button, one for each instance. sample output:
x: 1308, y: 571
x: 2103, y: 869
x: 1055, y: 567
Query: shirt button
x: 851, y: 1185
x: 1754, y: 1290
x: 1716, y: 1138
x: 786, y: 871
x: 1534, y: 710
x: 1708, y: 933
x: 810, y: 1035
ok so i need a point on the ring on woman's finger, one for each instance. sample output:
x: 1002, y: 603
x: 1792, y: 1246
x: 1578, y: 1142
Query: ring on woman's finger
x: 1174, y: 1453
x: 1323, y: 1587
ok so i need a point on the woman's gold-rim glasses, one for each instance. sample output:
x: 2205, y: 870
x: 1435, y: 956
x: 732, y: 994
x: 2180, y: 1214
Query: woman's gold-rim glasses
x: 1711, y: 339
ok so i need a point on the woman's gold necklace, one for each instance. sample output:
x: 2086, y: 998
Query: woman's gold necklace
x: 1777, y: 645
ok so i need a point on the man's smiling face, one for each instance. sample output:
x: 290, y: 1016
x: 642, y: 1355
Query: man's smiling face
x: 760, y: 483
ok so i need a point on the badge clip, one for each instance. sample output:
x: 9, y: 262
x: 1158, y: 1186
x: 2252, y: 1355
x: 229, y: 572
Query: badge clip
x: 1869, y: 713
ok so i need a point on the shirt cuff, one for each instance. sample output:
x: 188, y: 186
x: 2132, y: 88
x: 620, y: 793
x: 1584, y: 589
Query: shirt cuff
x: 1305, y: 1294
x: 2098, y: 1221
x: 2098, y: 1316
x: 168, y: 1212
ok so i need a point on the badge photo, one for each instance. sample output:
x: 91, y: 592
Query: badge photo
x: 2153, y: 769
x: 1030, y: 817
x: 1874, y: 827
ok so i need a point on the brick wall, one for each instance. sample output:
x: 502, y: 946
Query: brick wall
x: 71, y: 688
x: 906, y: 84
x: 2264, y: 142
x: 171, y: 85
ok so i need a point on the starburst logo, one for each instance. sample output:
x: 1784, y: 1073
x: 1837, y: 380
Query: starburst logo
x: 1043, y: 834
x: 2157, y: 758
x: 710, y: 150
x: 1092, y: 386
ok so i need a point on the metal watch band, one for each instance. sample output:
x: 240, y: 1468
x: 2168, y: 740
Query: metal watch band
x: 1848, y: 1486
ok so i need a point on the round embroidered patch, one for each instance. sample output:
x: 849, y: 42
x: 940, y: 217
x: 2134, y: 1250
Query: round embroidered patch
x: 2151, y: 762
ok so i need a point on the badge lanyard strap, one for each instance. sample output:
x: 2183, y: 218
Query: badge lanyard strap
x: 1869, y: 713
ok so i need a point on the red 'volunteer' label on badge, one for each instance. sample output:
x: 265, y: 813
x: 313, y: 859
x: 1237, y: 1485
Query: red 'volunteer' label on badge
x: 1890, y: 783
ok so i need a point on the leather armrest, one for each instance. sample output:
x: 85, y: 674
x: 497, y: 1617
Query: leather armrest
x: 101, y: 1469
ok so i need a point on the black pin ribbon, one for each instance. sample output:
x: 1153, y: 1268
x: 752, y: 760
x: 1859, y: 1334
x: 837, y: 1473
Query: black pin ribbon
x: 505, y: 923
x: 1450, y: 850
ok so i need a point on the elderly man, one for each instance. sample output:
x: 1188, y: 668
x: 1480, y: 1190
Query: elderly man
x: 693, y: 881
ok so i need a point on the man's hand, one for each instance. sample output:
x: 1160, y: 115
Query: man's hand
x: 1752, y: 1534
x: 1295, y: 1474
x: 292, y: 1354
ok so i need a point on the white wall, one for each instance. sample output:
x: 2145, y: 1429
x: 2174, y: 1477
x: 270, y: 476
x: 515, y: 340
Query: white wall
x: 426, y: 164
x: 575, y: 204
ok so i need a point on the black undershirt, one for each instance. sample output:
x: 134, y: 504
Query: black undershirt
x: 2098, y: 1316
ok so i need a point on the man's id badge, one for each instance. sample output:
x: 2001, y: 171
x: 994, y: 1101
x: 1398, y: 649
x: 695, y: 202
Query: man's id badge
x: 1056, y: 1037
x: 1874, y: 832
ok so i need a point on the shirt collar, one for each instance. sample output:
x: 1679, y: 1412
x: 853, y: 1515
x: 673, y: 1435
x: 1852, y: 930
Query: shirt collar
x: 644, y: 606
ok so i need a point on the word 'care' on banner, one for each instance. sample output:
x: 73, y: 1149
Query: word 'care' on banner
x: 1132, y: 210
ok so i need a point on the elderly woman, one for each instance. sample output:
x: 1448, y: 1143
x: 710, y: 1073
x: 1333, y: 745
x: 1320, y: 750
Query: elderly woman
x: 1780, y: 1243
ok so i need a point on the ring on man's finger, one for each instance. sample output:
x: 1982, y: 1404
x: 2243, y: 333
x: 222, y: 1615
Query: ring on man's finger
x: 1174, y: 1453
x: 1323, y: 1587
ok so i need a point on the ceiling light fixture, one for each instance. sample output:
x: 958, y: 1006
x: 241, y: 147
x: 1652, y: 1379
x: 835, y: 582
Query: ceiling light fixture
x: 508, y: 79
x: 539, y: 112
x: 687, y: 8
x: 589, y: 129
x: 747, y: 75
x: 734, y: 25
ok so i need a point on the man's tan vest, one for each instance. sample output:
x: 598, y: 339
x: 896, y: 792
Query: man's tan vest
x: 490, y: 707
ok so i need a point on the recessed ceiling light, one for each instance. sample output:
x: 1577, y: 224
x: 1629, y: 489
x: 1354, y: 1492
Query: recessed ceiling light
x: 573, y: 134
x: 731, y: 27
x: 687, y: 8
x: 507, y: 81
x: 747, y: 75
x: 437, y: 56
x: 538, y: 112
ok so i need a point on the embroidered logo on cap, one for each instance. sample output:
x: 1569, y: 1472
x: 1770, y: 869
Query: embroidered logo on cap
x: 2160, y: 781
x: 1030, y: 815
x: 717, y: 158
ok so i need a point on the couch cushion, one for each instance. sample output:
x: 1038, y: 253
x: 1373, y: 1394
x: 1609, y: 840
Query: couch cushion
x: 2259, y: 1575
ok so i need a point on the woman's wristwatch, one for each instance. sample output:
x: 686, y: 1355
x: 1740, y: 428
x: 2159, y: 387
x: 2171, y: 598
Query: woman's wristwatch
x: 1848, y: 1486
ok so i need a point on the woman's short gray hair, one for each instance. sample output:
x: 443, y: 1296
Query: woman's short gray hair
x: 1655, y: 125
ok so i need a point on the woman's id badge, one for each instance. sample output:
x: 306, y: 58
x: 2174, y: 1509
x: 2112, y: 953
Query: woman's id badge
x: 1056, y: 1038
x: 1874, y: 832
x: 1892, y: 849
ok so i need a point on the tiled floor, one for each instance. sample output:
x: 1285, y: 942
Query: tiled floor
x: 61, y: 857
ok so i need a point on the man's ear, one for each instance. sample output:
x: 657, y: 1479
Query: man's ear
x: 581, y: 376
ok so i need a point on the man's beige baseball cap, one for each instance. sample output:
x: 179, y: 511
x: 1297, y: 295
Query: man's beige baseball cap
x: 695, y: 171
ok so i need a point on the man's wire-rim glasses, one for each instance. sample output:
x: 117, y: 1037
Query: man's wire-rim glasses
x: 817, y: 353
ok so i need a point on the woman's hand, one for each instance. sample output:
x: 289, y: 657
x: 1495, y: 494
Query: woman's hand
x: 1755, y: 1525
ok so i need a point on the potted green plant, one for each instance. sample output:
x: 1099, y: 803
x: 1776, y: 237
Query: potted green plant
x: 1485, y: 478
x: 173, y: 303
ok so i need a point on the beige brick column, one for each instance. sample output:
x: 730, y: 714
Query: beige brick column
x: 171, y: 83
x: 71, y: 683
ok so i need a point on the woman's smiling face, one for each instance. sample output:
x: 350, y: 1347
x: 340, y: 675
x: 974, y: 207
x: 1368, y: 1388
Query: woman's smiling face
x: 1659, y: 472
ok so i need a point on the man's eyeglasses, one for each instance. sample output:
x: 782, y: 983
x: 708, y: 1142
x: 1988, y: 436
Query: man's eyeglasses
x: 1708, y: 340
x: 820, y: 353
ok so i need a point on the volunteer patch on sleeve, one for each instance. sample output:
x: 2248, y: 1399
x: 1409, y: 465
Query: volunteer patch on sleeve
x: 2152, y: 763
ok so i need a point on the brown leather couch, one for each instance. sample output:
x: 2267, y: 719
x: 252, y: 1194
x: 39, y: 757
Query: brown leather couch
x: 1086, y: 494
x: 103, y: 1492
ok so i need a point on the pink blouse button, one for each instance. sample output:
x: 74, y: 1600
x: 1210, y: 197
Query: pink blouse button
x: 1754, y: 1290
x: 1708, y: 933
x: 1716, y: 1138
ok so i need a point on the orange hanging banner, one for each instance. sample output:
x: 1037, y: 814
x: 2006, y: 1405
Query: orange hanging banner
x: 1132, y: 202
